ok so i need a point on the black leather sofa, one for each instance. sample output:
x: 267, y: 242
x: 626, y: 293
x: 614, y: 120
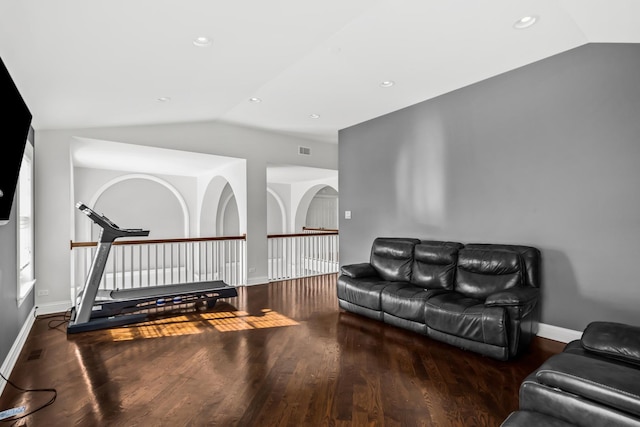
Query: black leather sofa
x: 595, y: 381
x: 480, y: 297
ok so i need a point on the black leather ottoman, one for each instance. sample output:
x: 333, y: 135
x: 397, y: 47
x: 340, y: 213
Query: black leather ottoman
x: 594, y: 382
x: 532, y: 419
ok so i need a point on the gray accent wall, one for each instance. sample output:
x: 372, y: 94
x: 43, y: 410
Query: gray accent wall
x: 546, y: 155
x: 12, y: 316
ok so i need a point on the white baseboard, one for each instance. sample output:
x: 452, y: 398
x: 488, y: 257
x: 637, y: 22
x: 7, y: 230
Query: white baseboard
x: 16, y: 348
x: 257, y: 281
x: 557, y: 333
x: 53, y: 307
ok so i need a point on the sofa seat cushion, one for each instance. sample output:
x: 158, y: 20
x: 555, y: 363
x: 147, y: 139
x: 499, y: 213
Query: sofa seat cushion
x: 363, y: 292
x: 406, y: 301
x: 453, y: 313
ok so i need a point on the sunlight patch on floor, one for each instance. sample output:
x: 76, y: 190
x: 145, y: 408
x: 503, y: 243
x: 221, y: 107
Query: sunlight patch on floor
x: 240, y: 320
x: 222, y: 321
x: 170, y: 327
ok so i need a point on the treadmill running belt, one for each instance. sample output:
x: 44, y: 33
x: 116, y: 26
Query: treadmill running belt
x: 160, y: 291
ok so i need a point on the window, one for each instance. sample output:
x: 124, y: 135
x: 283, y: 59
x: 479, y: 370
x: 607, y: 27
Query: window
x: 26, y: 278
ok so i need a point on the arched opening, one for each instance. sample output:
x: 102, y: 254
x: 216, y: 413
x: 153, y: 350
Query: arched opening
x: 138, y: 201
x: 143, y: 201
x: 228, y: 217
x: 323, y: 210
x: 209, y: 206
x: 276, y: 214
x: 219, y: 215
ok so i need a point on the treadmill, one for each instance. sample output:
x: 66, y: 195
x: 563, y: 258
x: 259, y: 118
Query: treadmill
x: 99, y: 309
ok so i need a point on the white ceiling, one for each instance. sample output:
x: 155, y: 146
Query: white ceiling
x: 90, y: 63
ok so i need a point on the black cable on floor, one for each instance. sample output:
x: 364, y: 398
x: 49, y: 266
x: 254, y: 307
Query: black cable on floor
x: 56, y: 322
x: 26, y: 390
x: 57, y: 319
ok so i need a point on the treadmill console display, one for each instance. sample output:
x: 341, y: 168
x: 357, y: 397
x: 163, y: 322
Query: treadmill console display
x: 110, y: 229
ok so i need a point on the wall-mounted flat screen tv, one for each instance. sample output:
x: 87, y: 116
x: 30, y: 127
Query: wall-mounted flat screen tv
x: 15, y: 120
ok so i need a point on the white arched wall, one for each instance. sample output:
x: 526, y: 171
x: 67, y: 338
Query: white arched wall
x: 171, y: 188
x: 281, y: 206
x: 323, y: 209
x: 228, y: 218
x: 209, y: 203
x: 301, y: 196
x: 210, y: 188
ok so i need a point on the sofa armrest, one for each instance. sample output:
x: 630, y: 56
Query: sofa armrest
x: 613, y: 340
x: 513, y: 297
x: 597, y: 380
x: 357, y: 271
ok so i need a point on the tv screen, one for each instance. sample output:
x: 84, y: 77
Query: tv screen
x: 14, y: 129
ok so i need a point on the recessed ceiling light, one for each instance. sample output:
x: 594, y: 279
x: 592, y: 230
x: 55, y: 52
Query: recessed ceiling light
x: 164, y: 99
x: 525, y: 22
x: 202, y: 41
x: 255, y: 100
x: 315, y: 116
x: 387, y: 83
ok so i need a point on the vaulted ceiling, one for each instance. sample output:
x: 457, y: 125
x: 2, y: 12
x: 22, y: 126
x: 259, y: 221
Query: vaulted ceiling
x: 315, y: 67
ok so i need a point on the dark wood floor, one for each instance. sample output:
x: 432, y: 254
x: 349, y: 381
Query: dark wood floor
x: 281, y: 354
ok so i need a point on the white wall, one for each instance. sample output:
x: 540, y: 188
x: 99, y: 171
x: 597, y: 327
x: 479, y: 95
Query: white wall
x: 275, y: 215
x: 117, y: 195
x: 55, y: 204
x: 228, y: 216
x: 209, y: 193
x: 213, y: 190
x: 280, y: 208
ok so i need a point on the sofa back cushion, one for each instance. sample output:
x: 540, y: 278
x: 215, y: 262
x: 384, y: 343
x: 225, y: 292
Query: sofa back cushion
x: 434, y: 264
x: 392, y: 257
x: 484, y: 271
x: 530, y: 257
